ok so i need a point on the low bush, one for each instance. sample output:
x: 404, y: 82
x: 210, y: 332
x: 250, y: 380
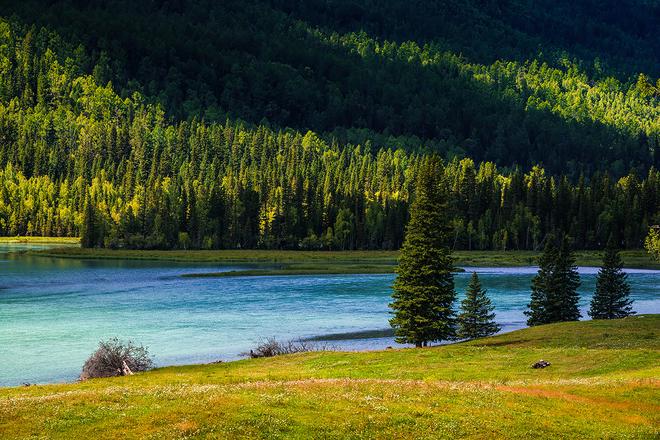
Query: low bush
x: 272, y: 347
x: 116, y: 358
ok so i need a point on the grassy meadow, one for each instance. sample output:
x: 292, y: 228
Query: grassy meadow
x: 604, y: 382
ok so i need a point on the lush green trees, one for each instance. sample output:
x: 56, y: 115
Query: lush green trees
x: 554, y: 295
x: 327, y: 197
x: 542, y: 285
x: 563, y: 300
x: 476, y: 319
x: 652, y: 242
x: 88, y: 233
x: 156, y: 181
x: 612, y: 297
x: 522, y: 99
x: 424, y: 287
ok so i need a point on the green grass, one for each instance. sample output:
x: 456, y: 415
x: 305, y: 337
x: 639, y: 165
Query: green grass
x: 336, y: 262
x: 41, y: 240
x: 604, y: 382
x: 632, y: 258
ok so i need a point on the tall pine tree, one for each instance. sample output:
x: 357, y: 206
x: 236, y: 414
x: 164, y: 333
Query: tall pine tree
x: 542, y: 284
x: 476, y: 319
x: 612, y: 297
x: 554, y: 289
x: 88, y: 228
x: 424, y: 292
x: 564, y: 299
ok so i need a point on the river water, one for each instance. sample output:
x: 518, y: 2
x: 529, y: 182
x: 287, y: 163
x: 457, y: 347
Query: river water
x: 54, y: 311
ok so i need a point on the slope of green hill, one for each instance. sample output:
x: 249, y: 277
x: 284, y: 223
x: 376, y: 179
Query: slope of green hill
x: 603, y: 383
x: 516, y: 83
x: 109, y: 122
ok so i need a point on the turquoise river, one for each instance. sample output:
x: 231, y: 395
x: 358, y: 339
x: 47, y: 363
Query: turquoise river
x: 53, y: 312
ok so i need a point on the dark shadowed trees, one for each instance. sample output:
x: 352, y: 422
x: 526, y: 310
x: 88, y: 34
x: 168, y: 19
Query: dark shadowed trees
x: 554, y: 295
x: 424, y: 288
x: 612, y: 297
x: 476, y: 319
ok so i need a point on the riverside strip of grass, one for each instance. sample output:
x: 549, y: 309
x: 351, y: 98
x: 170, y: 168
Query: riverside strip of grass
x: 604, y: 382
x: 275, y: 262
x: 55, y: 241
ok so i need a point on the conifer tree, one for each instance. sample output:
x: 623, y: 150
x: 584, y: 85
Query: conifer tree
x: 652, y: 242
x: 612, y: 297
x: 554, y: 289
x: 564, y: 299
x: 542, y: 284
x: 424, y: 288
x: 88, y: 227
x: 476, y: 319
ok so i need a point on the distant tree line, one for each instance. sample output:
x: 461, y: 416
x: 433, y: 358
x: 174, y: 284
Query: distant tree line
x: 287, y: 191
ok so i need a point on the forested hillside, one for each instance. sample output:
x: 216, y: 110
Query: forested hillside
x: 300, y: 124
x: 463, y: 77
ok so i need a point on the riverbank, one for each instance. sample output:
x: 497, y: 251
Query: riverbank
x: 276, y: 262
x: 55, y: 241
x: 602, y: 383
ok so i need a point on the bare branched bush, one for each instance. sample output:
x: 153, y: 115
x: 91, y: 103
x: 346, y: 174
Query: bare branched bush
x: 116, y: 358
x: 272, y: 347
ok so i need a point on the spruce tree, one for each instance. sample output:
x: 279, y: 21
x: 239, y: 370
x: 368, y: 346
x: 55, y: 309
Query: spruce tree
x: 563, y: 299
x: 652, y: 242
x: 477, y: 319
x: 424, y: 288
x: 612, y: 297
x: 542, y: 284
x: 88, y: 228
x: 554, y: 289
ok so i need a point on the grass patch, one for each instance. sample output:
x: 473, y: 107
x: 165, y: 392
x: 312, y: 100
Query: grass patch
x: 597, y: 387
x: 639, y: 259
x: 330, y: 262
x: 69, y: 241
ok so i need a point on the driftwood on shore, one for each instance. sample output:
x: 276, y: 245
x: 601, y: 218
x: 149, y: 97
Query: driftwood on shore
x: 125, y: 370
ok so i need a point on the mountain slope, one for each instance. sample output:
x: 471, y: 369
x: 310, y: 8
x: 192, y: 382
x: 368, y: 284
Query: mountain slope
x: 108, y: 126
x: 462, y: 77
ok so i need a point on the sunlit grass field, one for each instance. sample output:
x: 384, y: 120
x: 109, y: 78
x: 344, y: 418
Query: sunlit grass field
x: 604, y: 382
x: 69, y: 241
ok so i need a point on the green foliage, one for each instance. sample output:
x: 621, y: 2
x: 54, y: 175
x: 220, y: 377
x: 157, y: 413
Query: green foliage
x: 612, y: 297
x: 511, y: 96
x: 88, y: 231
x: 424, y: 293
x: 542, y: 285
x: 476, y: 319
x: 652, y: 242
x: 77, y: 119
x: 554, y: 295
x: 563, y: 301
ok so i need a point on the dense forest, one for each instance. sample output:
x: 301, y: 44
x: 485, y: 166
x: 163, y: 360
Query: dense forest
x: 461, y: 77
x: 197, y: 124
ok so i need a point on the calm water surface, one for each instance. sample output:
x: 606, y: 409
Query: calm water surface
x: 53, y: 312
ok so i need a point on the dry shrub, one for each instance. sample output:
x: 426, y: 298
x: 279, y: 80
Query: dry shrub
x: 113, y: 356
x: 272, y: 347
